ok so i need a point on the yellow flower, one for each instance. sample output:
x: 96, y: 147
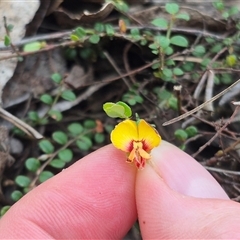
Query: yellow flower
x: 137, y: 139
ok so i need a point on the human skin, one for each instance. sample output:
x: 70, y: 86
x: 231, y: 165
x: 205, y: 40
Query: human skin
x: 101, y: 196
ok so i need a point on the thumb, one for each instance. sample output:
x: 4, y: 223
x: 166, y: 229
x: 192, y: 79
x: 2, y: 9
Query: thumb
x: 167, y: 209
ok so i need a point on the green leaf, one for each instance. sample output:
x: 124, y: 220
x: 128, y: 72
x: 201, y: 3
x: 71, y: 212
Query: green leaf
x: 46, y: 146
x: 178, y: 71
x: 70, y: 53
x: 119, y: 109
x: 183, y: 16
x: 173, y: 103
x: 156, y: 52
x: 153, y: 46
x: 89, y: 124
x: 219, y: 5
x: 47, y: 99
x: 44, y: 176
x: 231, y: 60
x: 160, y: 22
x: 84, y: 143
x: 156, y: 65
x: 22, y: 181
x: 168, y: 50
x: 7, y: 40
x: 99, y: 27
x: 60, y: 137
x: 188, y: 66
x: 32, y: 47
x: 179, y: 41
x: 32, y: 164
x: 225, y: 15
x: 75, y: 128
x: 33, y: 116
x: 80, y: 32
x: 16, y: 195
x: 226, y: 78
x: 199, y: 51
x: 66, y: 155
x: 172, y: 8
x: 55, y: 114
x: 109, y: 29
x: 167, y: 72
x: 216, y: 48
x: 169, y: 62
x: 68, y: 95
x: 56, y: 77
x: 191, y: 131
x: 94, y: 39
x: 135, y: 34
x: 74, y: 37
x: 99, y: 137
x: 181, y: 134
x: 57, y: 163
x: 4, y: 210
x: 162, y: 41
x: 233, y: 11
x: 10, y: 27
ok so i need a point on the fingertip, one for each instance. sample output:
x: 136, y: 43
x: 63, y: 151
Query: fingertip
x: 93, y: 198
x: 184, y: 174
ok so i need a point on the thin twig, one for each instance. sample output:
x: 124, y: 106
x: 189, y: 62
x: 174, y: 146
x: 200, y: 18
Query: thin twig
x: 217, y: 133
x: 20, y: 124
x: 200, y: 106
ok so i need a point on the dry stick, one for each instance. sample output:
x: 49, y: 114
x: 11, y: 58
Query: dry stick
x: 217, y: 133
x: 221, y: 170
x: 200, y: 106
x: 111, y: 61
x: 20, y: 124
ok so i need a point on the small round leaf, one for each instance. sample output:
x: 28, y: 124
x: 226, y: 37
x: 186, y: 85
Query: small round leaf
x: 172, y: 8
x: 66, y: 155
x: 46, y: 98
x: 32, y: 164
x: 94, y: 39
x: 45, y: 175
x: 179, y: 41
x: 56, y: 77
x: 75, y: 128
x: 46, y: 146
x: 89, y: 124
x: 56, y: 115
x: 16, y: 195
x: 57, y: 163
x: 4, y: 210
x: 160, y: 22
x: 22, y: 181
x: 99, y: 137
x: 84, y: 143
x: 68, y: 95
x: 181, y: 134
x: 60, y: 137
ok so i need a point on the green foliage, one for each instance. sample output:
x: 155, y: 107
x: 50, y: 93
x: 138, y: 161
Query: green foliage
x: 84, y: 143
x: 22, y: 181
x: 68, y: 95
x: 56, y: 77
x: 4, y: 210
x: 117, y: 110
x: 66, y: 155
x: 16, y: 195
x: 94, y: 39
x: 181, y: 134
x: 75, y: 128
x: 33, y: 46
x: 7, y: 40
x: 57, y: 163
x: 46, y: 146
x: 32, y: 164
x: 172, y: 8
x: 45, y: 175
x: 160, y: 22
x: 46, y: 98
x: 179, y: 41
x: 60, y: 137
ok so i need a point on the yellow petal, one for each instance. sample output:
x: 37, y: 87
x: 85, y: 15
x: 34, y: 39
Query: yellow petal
x: 124, y: 134
x: 148, y: 135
